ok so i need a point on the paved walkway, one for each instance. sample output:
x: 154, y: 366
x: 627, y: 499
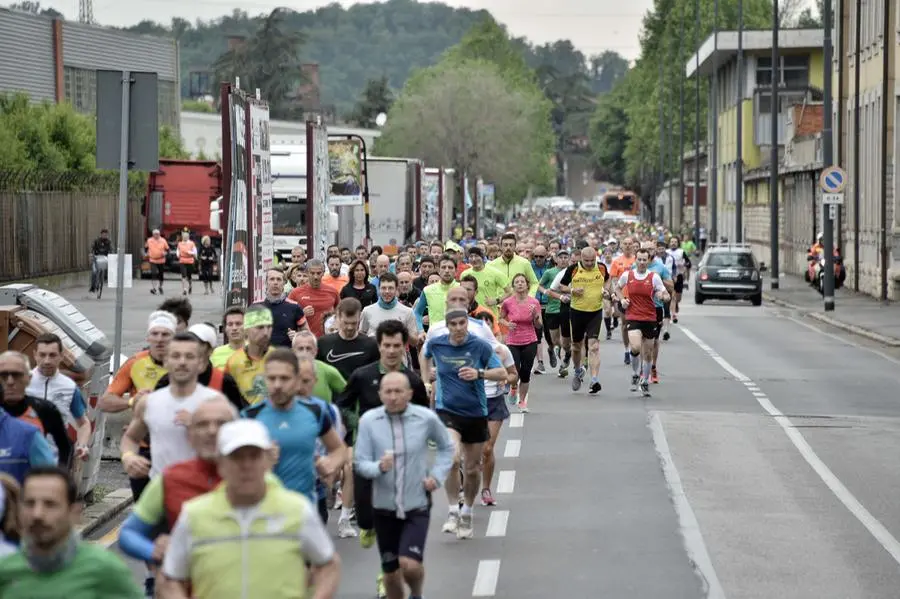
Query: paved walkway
x: 854, y: 312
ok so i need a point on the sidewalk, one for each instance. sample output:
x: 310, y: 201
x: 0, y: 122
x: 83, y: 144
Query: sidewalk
x: 854, y: 312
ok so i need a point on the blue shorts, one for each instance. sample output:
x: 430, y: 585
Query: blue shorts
x: 498, y: 410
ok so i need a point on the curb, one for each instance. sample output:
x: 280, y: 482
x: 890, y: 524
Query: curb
x: 102, y: 512
x: 855, y: 330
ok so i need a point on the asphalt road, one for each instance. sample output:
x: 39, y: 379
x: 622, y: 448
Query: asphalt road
x: 763, y: 466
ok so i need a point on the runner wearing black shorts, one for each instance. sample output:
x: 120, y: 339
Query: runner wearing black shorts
x: 462, y: 362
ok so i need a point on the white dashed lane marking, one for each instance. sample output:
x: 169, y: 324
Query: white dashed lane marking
x: 486, y: 578
x: 516, y: 420
x: 506, y: 481
x: 497, y: 523
x: 513, y: 447
x: 853, y: 505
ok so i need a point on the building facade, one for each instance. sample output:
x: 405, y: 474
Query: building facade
x: 801, y: 77
x: 869, y: 232
x: 55, y: 60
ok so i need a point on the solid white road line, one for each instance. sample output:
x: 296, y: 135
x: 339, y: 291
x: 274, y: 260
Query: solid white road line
x: 875, y: 528
x: 486, y: 578
x: 690, y: 528
x: 516, y: 420
x: 506, y: 481
x: 497, y: 523
x: 512, y: 449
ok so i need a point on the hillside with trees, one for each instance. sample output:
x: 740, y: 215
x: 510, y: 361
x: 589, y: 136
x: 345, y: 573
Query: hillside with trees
x: 365, y: 43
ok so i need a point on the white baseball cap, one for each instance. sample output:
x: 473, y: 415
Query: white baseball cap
x: 242, y: 433
x: 205, y: 332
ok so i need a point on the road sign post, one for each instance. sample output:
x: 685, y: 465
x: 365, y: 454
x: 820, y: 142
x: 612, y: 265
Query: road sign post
x: 832, y: 181
x: 127, y: 139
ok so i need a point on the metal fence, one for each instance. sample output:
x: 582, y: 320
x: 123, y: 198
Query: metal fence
x: 49, y: 220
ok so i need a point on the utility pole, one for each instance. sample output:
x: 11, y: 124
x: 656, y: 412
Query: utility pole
x: 828, y: 158
x: 739, y: 163
x: 697, y: 122
x: 662, y: 132
x: 773, y: 167
x: 713, y: 201
x: 680, y: 156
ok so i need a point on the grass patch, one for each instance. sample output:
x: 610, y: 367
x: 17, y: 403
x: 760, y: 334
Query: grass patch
x: 97, y: 494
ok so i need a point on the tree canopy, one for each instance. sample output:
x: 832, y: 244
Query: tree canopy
x: 55, y: 138
x: 375, y: 99
x: 480, y: 111
x: 669, y: 38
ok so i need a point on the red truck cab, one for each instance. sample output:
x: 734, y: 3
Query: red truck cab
x: 178, y: 198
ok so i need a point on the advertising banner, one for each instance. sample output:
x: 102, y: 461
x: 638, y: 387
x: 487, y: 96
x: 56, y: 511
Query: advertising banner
x: 260, y: 198
x: 345, y: 171
x: 237, y: 259
x: 320, y: 182
x: 431, y: 197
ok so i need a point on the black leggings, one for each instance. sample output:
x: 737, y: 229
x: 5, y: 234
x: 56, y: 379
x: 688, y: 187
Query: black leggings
x: 523, y: 356
x: 362, y: 500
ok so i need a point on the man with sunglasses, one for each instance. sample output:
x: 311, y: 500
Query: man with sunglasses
x: 15, y: 374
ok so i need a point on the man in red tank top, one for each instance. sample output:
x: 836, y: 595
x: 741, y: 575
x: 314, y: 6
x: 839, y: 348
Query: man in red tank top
x: 636, y: 290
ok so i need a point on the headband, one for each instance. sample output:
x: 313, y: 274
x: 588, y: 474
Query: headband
x: 258, y: 318
x: 162, y: 320
x: 455, y: 313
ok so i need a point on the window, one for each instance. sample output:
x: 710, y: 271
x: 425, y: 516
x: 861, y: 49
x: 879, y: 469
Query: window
x: 793, y: 70
x: 81, y: 89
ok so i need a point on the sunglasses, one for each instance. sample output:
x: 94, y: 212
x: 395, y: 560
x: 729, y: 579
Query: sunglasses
x: 16, y: 374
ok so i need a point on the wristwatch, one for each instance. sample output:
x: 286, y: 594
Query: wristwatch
x: 481, y: 373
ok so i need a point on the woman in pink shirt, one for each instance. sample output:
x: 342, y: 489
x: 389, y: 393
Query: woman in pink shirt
x: 521, y: 315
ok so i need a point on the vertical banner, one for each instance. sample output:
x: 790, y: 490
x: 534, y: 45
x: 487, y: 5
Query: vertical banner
x: 318, y: 182
x: 431, y: 198
x: 237, y: 260
x: 345, y: 172
x: 260, y: 198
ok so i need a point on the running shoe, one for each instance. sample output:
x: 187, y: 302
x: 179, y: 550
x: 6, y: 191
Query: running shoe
x: 654, y: 376
x: 338, y: 498
x: 452, y: 523
x: 366, y: 538
x: 675, y: 318
x: 464, y: 528
x: 645, y: 388
x: 595, y: 388
x: 666, y: 335
x: 635, y: 379
x: 627, y: 357
x: 563, y: 371
x: 487, y: 498
x: 551, y: 355
x: 523, y: 406
x: 345, y: 529
x: 539, y: 369
x: 608, y: 335
x: 380, y: 590
x: 577, y: 379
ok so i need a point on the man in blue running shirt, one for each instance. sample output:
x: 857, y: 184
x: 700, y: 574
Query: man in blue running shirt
x: 659, y: 267
x: 462, y: 362
x: 295, y: 421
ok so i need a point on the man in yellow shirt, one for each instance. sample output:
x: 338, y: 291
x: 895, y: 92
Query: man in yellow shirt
x: 584, y: 282
x: 233, y: 324
x: 491, y: 282
x: 247, y: 364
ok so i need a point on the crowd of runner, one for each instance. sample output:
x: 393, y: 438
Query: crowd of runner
x: 363, y: 384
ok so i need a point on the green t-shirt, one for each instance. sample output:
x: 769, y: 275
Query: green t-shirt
x: 329, y: 381
x: 95, y: 573
x: 491, y: 284
x: 151, y: 506
x: 546, y: 280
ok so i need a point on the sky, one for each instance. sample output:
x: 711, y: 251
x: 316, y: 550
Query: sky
x: 593, y: 26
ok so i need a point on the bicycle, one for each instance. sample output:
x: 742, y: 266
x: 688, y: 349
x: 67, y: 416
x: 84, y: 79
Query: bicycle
x: 99, y: 274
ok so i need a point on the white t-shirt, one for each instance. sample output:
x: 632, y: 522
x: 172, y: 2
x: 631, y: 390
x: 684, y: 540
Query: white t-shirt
x: 374, y: 315
x: 678, y: 255
x: 494, y: 388
x: 313, y: 540
x: 168, y: 440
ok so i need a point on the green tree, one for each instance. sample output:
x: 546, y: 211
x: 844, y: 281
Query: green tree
x: 463, y: 115
x: 269, y: 61
x: 488, y: 42
x: 605, y: 71
x: 608, y: 133
x: 55, y: 138
x: 375, y: 99
x: 811, y: 19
